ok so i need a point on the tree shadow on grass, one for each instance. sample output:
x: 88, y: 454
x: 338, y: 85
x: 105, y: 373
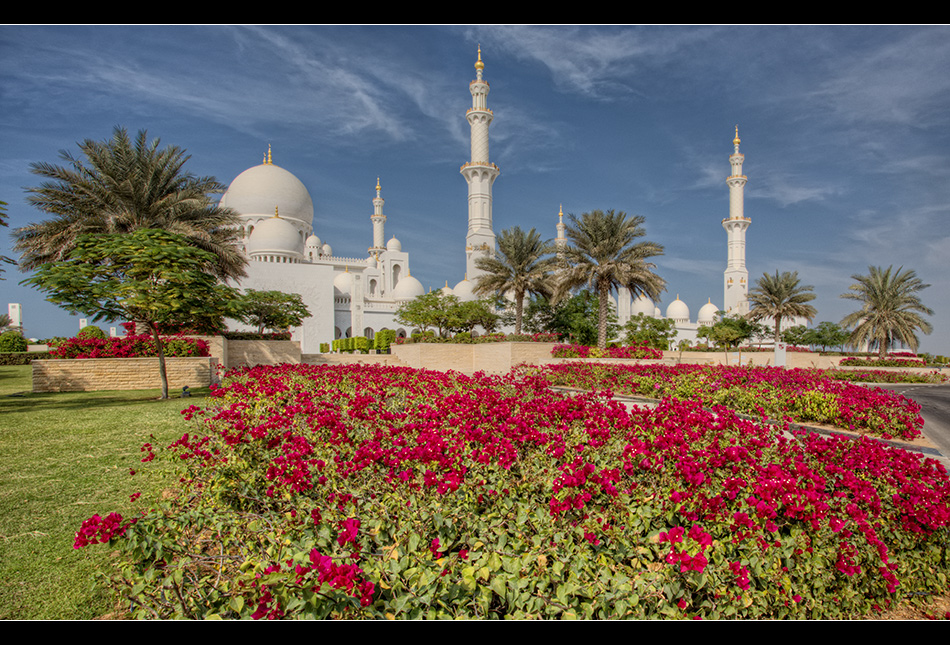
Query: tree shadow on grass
x: 67, y: 401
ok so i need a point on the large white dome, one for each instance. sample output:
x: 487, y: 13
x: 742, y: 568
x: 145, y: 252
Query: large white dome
x: 261, y: 189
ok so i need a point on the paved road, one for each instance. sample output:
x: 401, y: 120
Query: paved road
x: 934, y: 401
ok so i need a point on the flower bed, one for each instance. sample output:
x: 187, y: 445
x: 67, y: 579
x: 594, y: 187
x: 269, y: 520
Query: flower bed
x: 854, y: 361
x: 134, y: 346
x: 800, y: 395
x: 885, y: 376
x: 374, y: 492
x: 583, y: 351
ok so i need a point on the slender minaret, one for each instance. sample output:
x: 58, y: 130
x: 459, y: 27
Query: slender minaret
x: 379, y: 221
x: 561, y: 240
x: 480, y: 174
x: 736, y: 276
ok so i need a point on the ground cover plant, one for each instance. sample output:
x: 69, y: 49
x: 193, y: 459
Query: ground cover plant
x: 62, y: 456
x: 372, y: 491
x: 799, y: 395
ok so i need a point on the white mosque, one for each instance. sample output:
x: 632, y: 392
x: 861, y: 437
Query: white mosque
x: 351, y: 296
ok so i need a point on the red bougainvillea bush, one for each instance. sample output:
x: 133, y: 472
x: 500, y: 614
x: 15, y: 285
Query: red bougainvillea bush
x: 798, y: 395
x: 382, y: 492
x: 132, y: 346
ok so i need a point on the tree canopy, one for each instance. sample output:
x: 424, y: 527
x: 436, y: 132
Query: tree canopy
x: 122, y: 185
x: 779, y: 297
x: 273, y: 310
x: 522, y: 266
x: 604, y: 255
x: 891, y: 309
x: 148, y: 276
x: 446, y: 313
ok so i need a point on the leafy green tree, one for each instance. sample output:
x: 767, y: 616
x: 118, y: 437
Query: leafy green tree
x: 273, y: 310
x: 891, y: 309
x: 446, y: 314
x: 827, y: 334
x: 426, y: 311
x: 779, y: 297
x: 149, y: 276
x: 604, y: 255
x: 476, y: 313
x: 123, y: 185
x: 657, y: 333
x: 522, y: 266
x: 797, y: 335
x: 574, y: 318
x: 730, y: 331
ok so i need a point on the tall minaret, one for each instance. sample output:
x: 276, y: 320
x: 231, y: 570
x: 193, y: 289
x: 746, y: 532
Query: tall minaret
x: 736, y: 276
x: 480, y: 174
x: 379, y: 220
x: 561, y: 240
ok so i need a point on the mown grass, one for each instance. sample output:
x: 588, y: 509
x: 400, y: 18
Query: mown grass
x: 63, y: 458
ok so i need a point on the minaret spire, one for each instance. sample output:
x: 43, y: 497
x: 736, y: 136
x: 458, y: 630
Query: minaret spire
x: 480, y: 174
x: 736, y: 276
x: 379, y: 221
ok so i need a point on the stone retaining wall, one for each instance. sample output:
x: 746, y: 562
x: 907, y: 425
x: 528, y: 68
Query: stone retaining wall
x: 89, y: 374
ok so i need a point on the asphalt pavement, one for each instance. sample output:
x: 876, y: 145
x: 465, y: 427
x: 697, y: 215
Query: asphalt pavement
x: 934, y: 402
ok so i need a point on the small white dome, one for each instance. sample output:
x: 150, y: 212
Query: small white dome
x: 657, y: 313
x: 327, y: 250
x: 343, y: 283
x: 678, y: 311
x: 394, y: 245
x: 464, y: 290
x: 261, y: 189
x: 275, y: 236
x: 643, y: 305
x: 408, y: 288
x: 707, y: 314
x: 447, y: 290
x: 313, y: 242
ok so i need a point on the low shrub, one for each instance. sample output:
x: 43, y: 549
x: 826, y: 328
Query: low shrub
x: 12, y: 341
x: 91, y: 331
x: 380, y: 492
x: 582, y: 351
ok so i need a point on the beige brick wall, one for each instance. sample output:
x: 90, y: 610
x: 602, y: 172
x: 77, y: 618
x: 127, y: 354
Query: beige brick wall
x: 261, y: 352
x: 89, y: 374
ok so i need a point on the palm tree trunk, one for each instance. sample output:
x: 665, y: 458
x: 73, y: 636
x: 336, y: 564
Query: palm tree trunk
x: 519, y: 312
x: 603, y: 312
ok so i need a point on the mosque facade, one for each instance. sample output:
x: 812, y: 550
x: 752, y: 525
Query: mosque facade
x: 359, y: 295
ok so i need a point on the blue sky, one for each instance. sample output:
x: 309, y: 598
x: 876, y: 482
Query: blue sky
x: 844, y: 130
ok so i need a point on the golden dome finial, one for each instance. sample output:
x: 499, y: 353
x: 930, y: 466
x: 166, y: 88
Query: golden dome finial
x: 268, y: 161
x: 736, y: 140
x: 479, y: 65
x: 276, y: 214
x: 377, y: 185
x: 560, y: 212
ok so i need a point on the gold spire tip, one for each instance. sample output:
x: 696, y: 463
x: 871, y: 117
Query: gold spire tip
x: 479, y: 64
x: 736, y: 140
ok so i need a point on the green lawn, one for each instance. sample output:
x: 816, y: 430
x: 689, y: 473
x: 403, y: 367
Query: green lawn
x: 63, y: 458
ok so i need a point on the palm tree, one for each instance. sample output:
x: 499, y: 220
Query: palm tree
x: 121, y: 186
x: 779, y: 297
x: 604, y: 255
x: 890, y: 309
x: 522, y: 266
